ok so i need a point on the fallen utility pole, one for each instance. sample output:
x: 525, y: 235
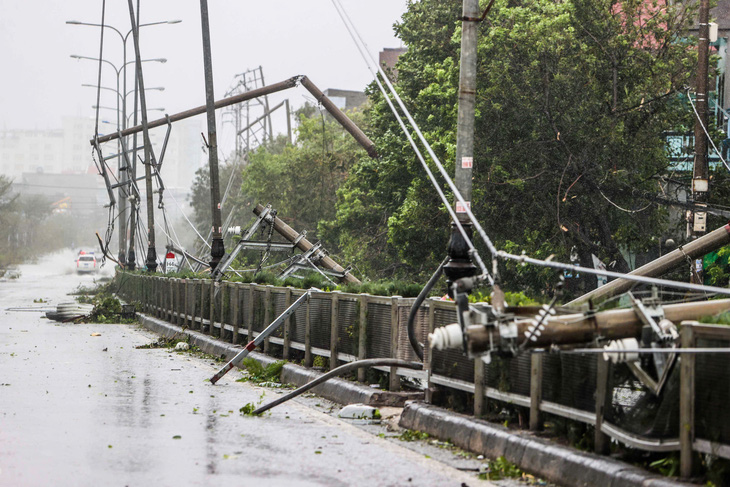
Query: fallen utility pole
x: 584, y: 328
x: 693, y: 250
x: 338, y: 114
x: 305, y: 245
x: 261, y: 336
x: 249, y: 95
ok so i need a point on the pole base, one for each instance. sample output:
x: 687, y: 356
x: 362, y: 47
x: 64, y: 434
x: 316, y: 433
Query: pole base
x: 217, y: 251
x: 151, y: 259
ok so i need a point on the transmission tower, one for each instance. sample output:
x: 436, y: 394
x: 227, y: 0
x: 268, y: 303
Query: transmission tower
x: 251, y: 119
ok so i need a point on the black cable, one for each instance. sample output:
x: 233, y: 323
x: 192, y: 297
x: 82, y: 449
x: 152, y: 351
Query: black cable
x: 415, y: 344
x: 371, y: 362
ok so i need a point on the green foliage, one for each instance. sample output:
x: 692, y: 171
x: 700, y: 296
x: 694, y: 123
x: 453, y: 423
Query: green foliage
x: 719, y: 319
x: 413, y: 435
x: 383, y: 288
x: 499, y: 469
x: 107, y: 308
x: 320, y: 362
x: 667, y: 466
x: 248, y: 409
x: 571, y: 106
x: 257, y: 373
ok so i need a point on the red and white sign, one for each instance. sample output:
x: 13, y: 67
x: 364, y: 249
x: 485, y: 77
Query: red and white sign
x: 460, y: 208
x: 467, y: 162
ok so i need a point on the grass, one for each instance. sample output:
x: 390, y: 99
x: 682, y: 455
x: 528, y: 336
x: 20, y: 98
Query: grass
x: 258, y: 374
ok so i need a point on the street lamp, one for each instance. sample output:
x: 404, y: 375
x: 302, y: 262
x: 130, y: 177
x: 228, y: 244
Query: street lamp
x: 120, y: 95
x: 123, y: 38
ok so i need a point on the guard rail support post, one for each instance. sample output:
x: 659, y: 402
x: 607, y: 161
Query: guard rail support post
x: 193, y: 304
x: 143, y: 294
x: 211, y: 309
x: 535, y: 391
x: 287, y: 326
x: 155, y: 295
x: 686, y: 403
x: 183, y: 293
x: 362, y: 342
x: 267, y: 316
x: 223, y: 308
x: 158, y: 298
x: 308, y: 359
x: 479, y: 389
x: 601, y: 440
x: 427, y: 354
x: 334, y: 328
x: 394, y: 384
x: 178, y: 301
x: 171, y: 300
x: 148, y: 296
x: 203, y: 285
x: 249, y: 314
x: 165, y: 296
x: 160, y: 287
x: 151, y: 296
x: 186, y: 298
x: 236, y: 311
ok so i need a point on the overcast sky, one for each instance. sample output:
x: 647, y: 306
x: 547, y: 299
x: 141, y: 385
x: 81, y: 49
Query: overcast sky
x: 41, y: 83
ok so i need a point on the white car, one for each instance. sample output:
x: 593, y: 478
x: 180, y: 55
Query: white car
x: 86, y: 263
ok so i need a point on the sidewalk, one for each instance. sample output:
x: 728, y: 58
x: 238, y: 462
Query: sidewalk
x: 540, y: 457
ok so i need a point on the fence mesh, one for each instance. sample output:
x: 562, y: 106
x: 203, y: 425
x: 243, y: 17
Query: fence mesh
x: 320, y: 314
x: 348, y: 321
x: 378, y: 330
x: 712, y: 393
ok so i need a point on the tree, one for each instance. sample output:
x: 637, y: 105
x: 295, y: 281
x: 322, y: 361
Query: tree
x: 572, y: 101
x: 301, y: 180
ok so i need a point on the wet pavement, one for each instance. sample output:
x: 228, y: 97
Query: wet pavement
x: 77, y: 409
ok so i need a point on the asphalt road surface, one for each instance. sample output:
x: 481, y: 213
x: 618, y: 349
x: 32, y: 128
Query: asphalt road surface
x: 83, y: 410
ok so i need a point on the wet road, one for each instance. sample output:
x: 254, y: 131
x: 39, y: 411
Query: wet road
x: 77, y: 410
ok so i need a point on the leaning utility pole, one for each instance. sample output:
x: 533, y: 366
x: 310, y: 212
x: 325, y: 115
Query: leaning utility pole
x: 217, y: 249
x: 132, y: 176
x: 148, y: 156
x: 701, y: 172
x: 460, y: 264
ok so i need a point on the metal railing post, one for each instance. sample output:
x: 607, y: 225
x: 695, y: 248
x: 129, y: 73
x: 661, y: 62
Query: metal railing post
x: 536, y: 360
x: 287, y: 326
x: 427, y: 354
x: 601, y: 440
x: 236, y: 311
x: 334, y: 328
x: 686, y: 403
x: 362, y: 351
x: 267, y: 316
x: 308, y: 359
x: 394, y: 382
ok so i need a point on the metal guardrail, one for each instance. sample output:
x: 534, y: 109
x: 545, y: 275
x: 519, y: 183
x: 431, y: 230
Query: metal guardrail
x: 358, y: 326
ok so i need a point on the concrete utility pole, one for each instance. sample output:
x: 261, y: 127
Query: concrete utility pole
x: 701, y: 172
x: 460, y: 264
x: 132, y: 174
x: 148, y: 155
x: 217, y: 250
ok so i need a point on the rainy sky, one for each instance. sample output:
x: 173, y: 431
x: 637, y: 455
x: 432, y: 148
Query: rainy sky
x: 41, y: 83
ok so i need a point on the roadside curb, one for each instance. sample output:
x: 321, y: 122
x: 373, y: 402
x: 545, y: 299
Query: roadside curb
x: 336, y: 390
x: 540, y: 457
